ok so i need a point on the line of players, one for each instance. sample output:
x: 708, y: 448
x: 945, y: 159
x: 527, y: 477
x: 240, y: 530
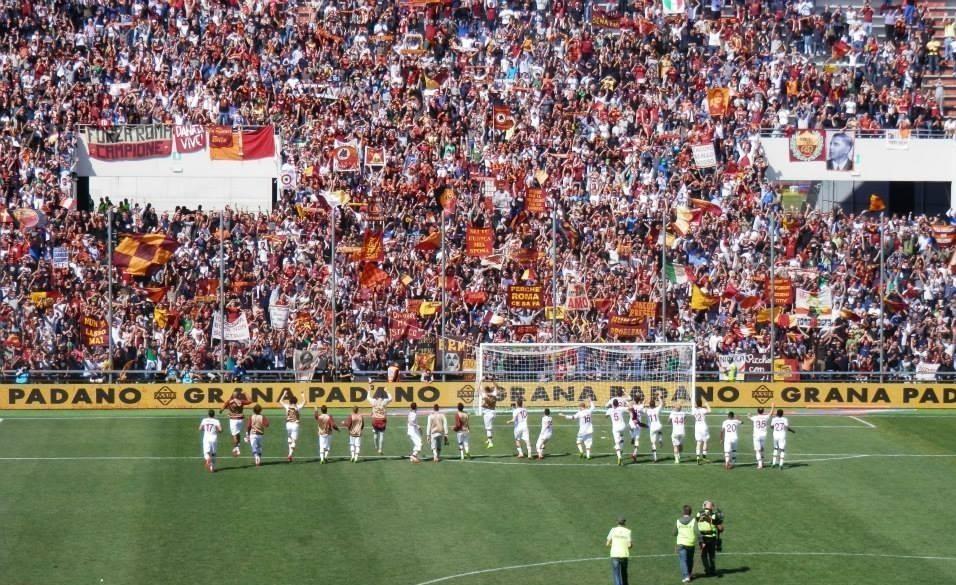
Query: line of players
x: 626, y: 422
x: 625, y: 415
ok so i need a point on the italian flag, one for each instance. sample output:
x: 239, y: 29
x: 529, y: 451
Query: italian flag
x: 674, y: 6
x: 678, y: 273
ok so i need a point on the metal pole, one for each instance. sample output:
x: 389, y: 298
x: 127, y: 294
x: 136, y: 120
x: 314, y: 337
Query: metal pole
x: 554, y: 269
x: 663, y: 332
x: 882, y: 292
x: 222, y: 297
x: 770, y: 286
x: 109, y: 294
x: 444, y: 268
x: 334, y: 289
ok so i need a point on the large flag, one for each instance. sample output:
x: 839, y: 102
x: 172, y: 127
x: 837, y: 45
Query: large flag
x: 142, y: 255
x: 700, y: 301
x: 678, y: 273
x: 346, y: 159
x: 430, y: 242
x: 372, y: 276
x: 372, y: 248
x: 674, y: 6
x: 226, y: 143
x: 707, y: 207
x: 503, y: 120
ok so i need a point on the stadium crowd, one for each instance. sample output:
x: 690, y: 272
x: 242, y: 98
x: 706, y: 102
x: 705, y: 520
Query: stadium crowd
x: 596, y: 109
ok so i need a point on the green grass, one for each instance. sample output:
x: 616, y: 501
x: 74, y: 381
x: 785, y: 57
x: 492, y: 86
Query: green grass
x: 167, y: 520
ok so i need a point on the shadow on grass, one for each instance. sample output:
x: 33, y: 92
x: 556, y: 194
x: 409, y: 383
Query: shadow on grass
x: 721, y: 572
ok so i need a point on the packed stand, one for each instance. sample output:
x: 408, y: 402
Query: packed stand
x: 483, y: 100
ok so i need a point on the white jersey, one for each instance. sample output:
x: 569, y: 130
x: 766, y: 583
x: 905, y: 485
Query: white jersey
x: 210, y: 428
x: 619, y: 417
x: 700, y: 417
x: 585, y: 427
x: 760, y: 422
x: 677, y: 422
x: 653, y: 416
x: 520, y: 417
x: 413, y: 422
x: 730, y: 428
x: 636, y: 410
x: 780, y: 425
x: 547, y: 426
x: 621, y: 401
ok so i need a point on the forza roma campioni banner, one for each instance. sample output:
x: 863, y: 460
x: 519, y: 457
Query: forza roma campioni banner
x: 129, y: 142
x: 448, y: 394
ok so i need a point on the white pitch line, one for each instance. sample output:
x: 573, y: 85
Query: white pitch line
x: 858, y: 419
x: 671, y: 555
x: 665, y: 463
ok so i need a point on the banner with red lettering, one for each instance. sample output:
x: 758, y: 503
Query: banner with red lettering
x: 525, y: 297
x: 129, y: 142
x: 479, y: 242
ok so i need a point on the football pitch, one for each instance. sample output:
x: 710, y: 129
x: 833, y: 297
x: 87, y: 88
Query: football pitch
x: 122, y: 497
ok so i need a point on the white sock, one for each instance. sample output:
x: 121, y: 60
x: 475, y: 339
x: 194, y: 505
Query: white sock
x: 781, y: 458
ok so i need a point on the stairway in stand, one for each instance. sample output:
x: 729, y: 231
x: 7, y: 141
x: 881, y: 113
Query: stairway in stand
x: 939, y: 11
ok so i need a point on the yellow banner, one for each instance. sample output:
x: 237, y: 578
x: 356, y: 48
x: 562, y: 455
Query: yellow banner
x: 448, y: 394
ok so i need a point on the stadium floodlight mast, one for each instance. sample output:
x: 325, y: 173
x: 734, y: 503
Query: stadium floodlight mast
x: 560, y: 375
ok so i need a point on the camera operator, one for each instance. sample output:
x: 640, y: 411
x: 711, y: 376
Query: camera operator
x: 710, y: 522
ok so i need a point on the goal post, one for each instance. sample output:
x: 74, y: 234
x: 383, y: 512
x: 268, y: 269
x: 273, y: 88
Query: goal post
x: 561, y: 375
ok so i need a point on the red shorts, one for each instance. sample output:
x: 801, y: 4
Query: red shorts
x: 379, y: 423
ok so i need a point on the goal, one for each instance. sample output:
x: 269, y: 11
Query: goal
x: 564, y: 374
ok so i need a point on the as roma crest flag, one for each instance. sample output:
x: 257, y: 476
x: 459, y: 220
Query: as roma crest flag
x: 718, y: 100
x: 142, y: 255
x: 807, y: 146
x: 372, y: 248
x: 374, y: 157
x: 503, y: 119
x: 345, y: 158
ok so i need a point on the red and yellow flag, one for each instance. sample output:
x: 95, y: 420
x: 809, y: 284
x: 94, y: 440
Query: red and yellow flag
x: 142, y: 255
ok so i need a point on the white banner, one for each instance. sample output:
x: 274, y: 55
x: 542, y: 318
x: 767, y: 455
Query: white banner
x: 704, y: 155
x: 279, y: 316
x: 61, y: 257
x: 304, y: 361
x: 237, y: 330
x: 898, y: 139
x: 820, y: 303
x: 926, y: 372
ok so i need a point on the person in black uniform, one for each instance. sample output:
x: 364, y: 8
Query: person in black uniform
x: 710, y: 522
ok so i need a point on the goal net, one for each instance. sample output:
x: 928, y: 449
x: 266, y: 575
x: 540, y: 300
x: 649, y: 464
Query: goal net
x: 564, y: 374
